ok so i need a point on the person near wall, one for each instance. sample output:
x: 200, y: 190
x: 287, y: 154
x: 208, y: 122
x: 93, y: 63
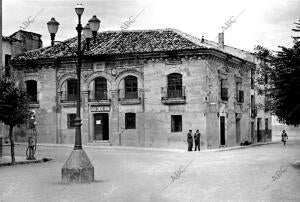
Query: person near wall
x: 190, y: 140
x: 197, y: 140
x: 284, y: 137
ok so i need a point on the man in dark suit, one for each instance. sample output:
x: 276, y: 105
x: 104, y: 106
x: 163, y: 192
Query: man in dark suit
x: 197, y: 140
x: 190, y: 140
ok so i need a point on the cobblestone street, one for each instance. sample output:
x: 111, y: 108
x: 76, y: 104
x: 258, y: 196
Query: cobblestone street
x: 132, y: 175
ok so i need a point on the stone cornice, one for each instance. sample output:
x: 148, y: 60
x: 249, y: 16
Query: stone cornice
x: 153, y: 56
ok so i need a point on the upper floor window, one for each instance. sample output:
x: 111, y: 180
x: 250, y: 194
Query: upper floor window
x: 252, y: 79
x: 252, y: 101
x: 31, y: 89
x: 239, y: 91
x: 131, y: 87
x: 7, y: 68
x: 174, y: 85
x: 240, y: 96
x: 100, y: 88
x: 224, y: 89
x: 7, y: 59
x: 72, y: 89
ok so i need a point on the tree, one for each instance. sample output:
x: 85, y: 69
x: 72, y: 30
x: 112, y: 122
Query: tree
x: 14, y: 107
x: 282, y: 80
x: 297, y: 29
x: 263, y: 74
x: 287, y: 85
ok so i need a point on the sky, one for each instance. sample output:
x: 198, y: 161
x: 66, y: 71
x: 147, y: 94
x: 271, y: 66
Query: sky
x: 252, y: 22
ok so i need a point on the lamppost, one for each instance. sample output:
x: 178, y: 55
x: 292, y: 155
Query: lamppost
x: 78, y: 167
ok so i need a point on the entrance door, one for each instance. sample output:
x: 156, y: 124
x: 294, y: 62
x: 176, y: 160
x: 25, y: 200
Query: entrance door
x: 101, y: 126
x: 252, y: 132
x: 222, y: 130
x: 258, y: 130
x: 238, y: 130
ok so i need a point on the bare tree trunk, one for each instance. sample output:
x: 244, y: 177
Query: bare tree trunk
x: 12, y: 145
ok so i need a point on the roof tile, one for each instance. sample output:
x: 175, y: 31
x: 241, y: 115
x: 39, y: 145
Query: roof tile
x: 119, y: 42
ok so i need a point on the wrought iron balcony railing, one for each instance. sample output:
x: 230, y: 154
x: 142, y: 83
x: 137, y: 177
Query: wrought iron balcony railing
x: 170, y: 96
x: 130, y: 97
x: 68, y: 97
x: 98, y: 96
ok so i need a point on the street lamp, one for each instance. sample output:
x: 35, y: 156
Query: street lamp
x: 52, y: 28
x: 78, y: 167
x: 87, y: 32
x: 94, y: 26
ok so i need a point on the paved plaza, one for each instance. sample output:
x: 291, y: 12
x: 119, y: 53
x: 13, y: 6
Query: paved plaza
x: 132, y: 175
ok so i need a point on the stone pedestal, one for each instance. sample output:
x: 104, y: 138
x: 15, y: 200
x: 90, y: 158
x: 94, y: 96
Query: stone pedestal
x: 78, y: 168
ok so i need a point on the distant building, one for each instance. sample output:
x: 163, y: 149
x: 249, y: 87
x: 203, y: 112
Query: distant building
x: 142, y: 88
x: 15, y: 44
x: 29, y: 40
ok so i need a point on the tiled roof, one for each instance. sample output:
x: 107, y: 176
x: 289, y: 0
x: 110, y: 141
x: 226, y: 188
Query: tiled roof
x: 243, y: 54
x: 120, y: 42
x: 9, y: 39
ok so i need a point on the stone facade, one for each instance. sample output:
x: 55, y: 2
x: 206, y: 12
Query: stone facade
x: 162, y: 119
x: 261, y: 118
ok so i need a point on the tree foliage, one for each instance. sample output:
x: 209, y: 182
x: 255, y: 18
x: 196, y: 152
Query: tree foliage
x: 279, y: 74
x: 14, y: 107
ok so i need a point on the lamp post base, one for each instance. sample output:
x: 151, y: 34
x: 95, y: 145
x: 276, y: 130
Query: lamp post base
x: 78, y: 168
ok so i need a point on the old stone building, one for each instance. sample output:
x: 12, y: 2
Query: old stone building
x: 140, y: 88
x: 15, y: 44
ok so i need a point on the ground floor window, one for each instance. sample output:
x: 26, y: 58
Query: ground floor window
x: 176, y: 123
x: 71, y: 120
x: 130, y: 121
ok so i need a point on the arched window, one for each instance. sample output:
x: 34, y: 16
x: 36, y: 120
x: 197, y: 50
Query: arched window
x: 72, y: 89
x: 31, y: 89
x: 131, y: 87
x: 174, y: 85
x: 100, y: 88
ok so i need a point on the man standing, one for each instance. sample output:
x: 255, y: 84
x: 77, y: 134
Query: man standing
x: 197, y: 140
x: 190, y: 140
x: 284, y: 137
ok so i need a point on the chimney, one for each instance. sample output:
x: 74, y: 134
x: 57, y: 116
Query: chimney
x: 221, y: 40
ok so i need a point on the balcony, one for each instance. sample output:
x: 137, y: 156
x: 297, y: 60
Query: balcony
x: 129, y: 98
x: 99, y: 97
x: 67, y: 97
x: 173, y: 96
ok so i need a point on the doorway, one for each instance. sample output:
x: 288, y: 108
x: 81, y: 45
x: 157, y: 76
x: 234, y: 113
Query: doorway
x: 101, y: 130
x: 252, y: 132
x: 238, y: 131
x: 258, y: 130
x: 222, y: 130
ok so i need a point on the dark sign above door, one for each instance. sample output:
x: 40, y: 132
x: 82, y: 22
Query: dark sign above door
x: 99, y: 108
